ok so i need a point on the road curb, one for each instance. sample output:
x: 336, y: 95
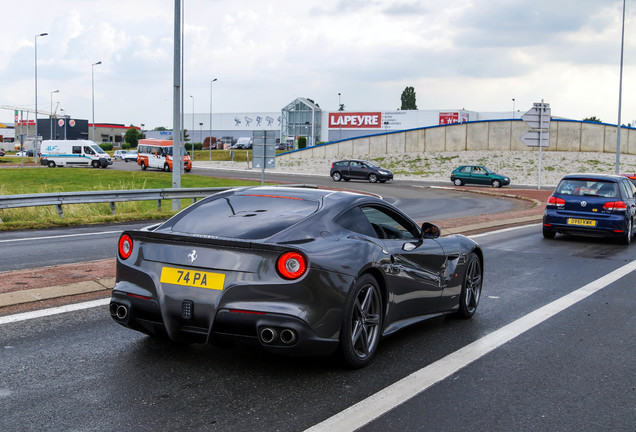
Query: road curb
x: 487, y: 226
x: 38, y: 294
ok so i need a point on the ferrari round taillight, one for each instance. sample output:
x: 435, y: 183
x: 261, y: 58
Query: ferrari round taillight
x: 291, y: 265
x: 125, y: 246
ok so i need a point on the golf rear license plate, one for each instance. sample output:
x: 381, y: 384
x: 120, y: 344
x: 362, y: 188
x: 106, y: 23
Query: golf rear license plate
x: 581, y: 222
x: 192, y: 278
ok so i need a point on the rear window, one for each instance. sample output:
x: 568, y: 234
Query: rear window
x: 247, y: 217
x: 588, y: 187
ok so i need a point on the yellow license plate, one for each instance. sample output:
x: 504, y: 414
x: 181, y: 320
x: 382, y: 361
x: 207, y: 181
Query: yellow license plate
x: 583, y: 222
x: 192, y: 278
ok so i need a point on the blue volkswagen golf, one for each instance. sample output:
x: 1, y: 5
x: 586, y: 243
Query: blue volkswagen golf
x: 596, y: 205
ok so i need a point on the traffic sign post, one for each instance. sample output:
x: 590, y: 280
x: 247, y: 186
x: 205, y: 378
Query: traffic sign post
x: 538, y: 119
x: 533, y: 137
x: 264, y: 151
x: 22, y: 138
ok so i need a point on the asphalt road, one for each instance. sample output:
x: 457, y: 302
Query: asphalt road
x: 406, y: 194
x: 573, y: 371
x: 39, y: 248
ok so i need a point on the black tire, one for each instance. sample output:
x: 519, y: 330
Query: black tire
x: 95, y: 164
x: 166, y: 167
x: 336, y: 176
x: 471, y: 287
x: 458, y: 182
x: 627, y: 237
x: 143, y: 166
x: 496, y: 183
x: 362, y: 323
x: 51, y: 164
x: 126, y: 160
x: 373, y: 178
x: 548, y: 233
x: 187, y: 170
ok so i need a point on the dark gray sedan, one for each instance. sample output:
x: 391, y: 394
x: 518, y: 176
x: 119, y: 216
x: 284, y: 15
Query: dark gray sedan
x: 294, y: 271
x: 359, y: 170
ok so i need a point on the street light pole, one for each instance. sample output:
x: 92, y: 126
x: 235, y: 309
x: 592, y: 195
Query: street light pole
x: 513, y: 107
x: 210, y: 141
x: 54, y: 91
x: 93, y: 93
x: 340, y: 122
x: 35, y: 150
x: 177, y: 104
x: 620, y: 96
x: 192, y: 133
x: 200, y: 133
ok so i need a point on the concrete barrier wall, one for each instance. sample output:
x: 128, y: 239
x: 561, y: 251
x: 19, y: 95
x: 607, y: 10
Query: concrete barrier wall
x: 496, y: 135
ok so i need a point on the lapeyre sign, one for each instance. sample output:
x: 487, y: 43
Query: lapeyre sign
x: 351, y: 120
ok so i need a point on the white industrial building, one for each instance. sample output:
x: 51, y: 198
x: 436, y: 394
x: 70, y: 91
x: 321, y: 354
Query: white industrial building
x: 303, y: 118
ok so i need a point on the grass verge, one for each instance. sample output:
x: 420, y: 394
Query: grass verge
x: 33, y: 181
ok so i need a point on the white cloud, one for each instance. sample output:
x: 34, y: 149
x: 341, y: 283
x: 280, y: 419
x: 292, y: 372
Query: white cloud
x: 475, y: 54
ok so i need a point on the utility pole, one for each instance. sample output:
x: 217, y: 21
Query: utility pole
x: 176, y: 106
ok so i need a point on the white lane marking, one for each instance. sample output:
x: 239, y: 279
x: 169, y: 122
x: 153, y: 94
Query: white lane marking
x: 61, y: 236
x: 53, y: 311
x: 401, y: 391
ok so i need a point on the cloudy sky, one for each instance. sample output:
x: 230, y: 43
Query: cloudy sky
x: 472, y: 54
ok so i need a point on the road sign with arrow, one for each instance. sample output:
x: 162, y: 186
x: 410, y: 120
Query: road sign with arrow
x: 538, y: 119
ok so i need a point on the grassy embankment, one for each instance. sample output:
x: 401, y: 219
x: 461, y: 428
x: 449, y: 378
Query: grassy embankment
x: 45, y: 180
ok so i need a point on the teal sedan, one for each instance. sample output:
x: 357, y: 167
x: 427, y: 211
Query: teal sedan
x: 477, y: 174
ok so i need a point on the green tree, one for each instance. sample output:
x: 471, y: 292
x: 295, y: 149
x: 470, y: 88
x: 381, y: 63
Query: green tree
x: 408, y: 99
x: 132, y: 136
x: 593, y: 119
x: 160, y: 129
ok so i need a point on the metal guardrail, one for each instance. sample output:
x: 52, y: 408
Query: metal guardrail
x: 63, y: 198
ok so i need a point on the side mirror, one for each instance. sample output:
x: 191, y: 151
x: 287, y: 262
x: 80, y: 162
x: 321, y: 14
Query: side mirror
x: 430, y: 231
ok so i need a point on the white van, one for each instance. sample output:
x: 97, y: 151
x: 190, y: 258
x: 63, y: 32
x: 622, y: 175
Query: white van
x: 73, y: 153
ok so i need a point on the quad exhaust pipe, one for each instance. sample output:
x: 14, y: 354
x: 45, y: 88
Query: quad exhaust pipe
x: 269, y: 335
x: 118, y: 311
x: 288, y: 336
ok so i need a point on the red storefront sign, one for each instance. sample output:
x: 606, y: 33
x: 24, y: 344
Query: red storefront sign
x: 25, y: 123
x: 448, y: 117
x: 360, y: 120
x: 452, y: 117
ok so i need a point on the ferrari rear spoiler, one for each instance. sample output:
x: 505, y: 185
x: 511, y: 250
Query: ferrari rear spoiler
x: 151, y: 236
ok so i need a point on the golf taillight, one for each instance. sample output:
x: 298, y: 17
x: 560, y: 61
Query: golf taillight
x: 615, y: 206
x: 291, y: 265
x: 125, y: 246
x: 556, y: 202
